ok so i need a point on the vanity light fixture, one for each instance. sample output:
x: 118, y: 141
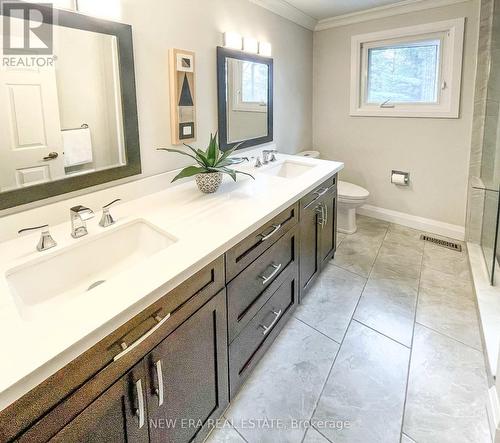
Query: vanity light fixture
x: 265, y: 49
x: 233, y: 40
x: 250, y: 45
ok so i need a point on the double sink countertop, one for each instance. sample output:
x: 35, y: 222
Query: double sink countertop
x: 42, y: 334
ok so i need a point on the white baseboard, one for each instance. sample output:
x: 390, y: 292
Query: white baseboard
x: 412, y: 221
x: 493, y: 409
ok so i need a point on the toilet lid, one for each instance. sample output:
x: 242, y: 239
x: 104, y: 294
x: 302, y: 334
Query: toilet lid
x: 352, y: 191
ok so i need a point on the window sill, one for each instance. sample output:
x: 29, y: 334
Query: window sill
x: 404, y: 113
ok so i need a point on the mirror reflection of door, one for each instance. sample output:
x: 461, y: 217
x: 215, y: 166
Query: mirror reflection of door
x: 63, y: 118
x: 30, y: 140
x: 247, y: 100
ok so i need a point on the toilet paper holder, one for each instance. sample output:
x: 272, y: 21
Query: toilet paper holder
x: 400, y: 178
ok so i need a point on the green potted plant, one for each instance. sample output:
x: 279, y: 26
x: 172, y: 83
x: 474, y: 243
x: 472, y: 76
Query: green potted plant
x: 210, y: 165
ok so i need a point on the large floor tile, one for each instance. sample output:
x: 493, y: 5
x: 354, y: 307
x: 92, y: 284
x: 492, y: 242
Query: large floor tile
x: 340, y: 238
x: 405, y: 238
x: 446, y: 391
x: 329, y: 305
x: 285, y: 385
x: 388, y: 306
x: 314, y: 436
x: 224, y: 435
x: 445, y: 260
x: 447, y: 305
x: 357, y: 254
x: 406, y: 439
x: 407, y: 261
x: 366, y: 388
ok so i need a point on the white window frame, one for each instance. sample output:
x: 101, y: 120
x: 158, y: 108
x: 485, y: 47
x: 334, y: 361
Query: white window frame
x: 451, y: 34
x: 238, y: 103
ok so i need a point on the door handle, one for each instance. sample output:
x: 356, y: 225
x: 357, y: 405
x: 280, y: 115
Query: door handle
x: 159, y: 376
x: 267, y: 329
x: 265, y: 280
x: 127, y: 349
x: 51, y: 156
x: 140, y: 412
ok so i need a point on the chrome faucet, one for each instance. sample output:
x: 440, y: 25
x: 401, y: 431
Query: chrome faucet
x: 269, y: 155
x: 46, y: 241
x: 79, y: 215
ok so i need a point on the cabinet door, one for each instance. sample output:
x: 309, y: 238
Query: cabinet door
x: 328, y: 236
x: 188, y: 376
x: 309, y: 243
x: 118, y: 415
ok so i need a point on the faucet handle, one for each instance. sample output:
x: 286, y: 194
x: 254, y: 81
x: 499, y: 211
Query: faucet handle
x: 107, y: 219
x: 46, y: 241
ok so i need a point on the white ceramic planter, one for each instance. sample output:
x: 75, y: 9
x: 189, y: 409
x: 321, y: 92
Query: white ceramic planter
x: 209, y: 182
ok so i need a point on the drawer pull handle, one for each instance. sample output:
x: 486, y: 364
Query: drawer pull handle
x: 159, y: 389
x: 139, y: 412
x: 311, y: 202
x: 127, y: 349
x: 321, y: 192
x: 266, y: 280
x: 267, y: 329
x: 276, y: 228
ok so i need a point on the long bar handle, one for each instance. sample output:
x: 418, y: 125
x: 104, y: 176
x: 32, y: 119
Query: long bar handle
x: 34, y: 228
x: 267, y: 329
x: 276, y: 228
x: 127, y: 349
x: 140, y: 412
x: 112, y: 203
x: 159, y: 389
x: 266, y: 280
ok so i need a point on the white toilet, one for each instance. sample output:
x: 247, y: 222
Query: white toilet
x: 350, y: 197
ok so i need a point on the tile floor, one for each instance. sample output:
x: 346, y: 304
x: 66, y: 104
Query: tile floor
x: 385, y: 348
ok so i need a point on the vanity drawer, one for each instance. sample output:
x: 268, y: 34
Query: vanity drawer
x: 327, y: 186
x: 251, y: 344
x: 244, y: 253
x: 248, y: 292
x: 180, y: 303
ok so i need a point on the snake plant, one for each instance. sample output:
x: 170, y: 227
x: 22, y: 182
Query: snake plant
x: 208, y: 161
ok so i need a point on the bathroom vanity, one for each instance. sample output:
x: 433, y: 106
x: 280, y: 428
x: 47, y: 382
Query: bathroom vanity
x: 183, y: 356
x: 144, y: 329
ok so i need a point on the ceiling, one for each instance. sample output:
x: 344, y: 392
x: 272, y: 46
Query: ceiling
x: 321, y: 9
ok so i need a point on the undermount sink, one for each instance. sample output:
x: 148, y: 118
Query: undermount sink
x: 288, y: 169
x: 62, y: 276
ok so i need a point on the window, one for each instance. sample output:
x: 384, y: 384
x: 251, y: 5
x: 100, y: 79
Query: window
x: 252, y: 80
x: 408, y: 72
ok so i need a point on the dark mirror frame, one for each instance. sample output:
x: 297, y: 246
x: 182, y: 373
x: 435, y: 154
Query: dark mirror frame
x: 123, y: 33
x: 222, y: 55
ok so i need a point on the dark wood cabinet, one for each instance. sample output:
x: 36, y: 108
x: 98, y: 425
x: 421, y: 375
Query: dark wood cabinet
x: 166, y: 373
x: 318, y: 226
x: 328, y: 228
x: 187, y: 376
x: 118, y: 415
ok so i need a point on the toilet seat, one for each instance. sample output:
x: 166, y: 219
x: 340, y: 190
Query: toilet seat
x: 350, y: 191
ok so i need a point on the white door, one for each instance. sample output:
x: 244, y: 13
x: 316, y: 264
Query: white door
x: 30, y: 132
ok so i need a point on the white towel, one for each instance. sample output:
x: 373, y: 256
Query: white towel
x: 77, y: 147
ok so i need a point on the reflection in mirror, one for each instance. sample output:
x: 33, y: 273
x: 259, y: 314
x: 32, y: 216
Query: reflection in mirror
x: 62, y: 120
x: 247, y: 100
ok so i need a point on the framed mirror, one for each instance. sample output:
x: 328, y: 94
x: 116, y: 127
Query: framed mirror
x: 68, y: 112
x: 245, y: 98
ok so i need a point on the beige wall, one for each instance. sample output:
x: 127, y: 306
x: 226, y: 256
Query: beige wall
x: 434, y: 151
x: 198, y: 25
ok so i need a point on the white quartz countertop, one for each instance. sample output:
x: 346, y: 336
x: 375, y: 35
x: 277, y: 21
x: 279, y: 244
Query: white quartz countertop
x: 205, y: 226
